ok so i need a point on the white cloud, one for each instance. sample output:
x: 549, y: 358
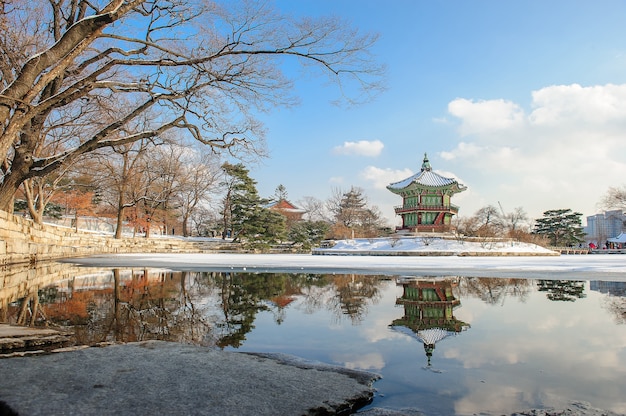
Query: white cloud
x: 564, y: 154
x: 463, y: 149
x: 447, y: 155
x: 380, y: 178
x: 479, y: 117
x: 371, y: 361
x: 360, y: 148
x: 576, y: 104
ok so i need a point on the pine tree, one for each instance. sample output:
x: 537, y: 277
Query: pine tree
x: 352, y: 208
x: 352, y: 213
x: 281, y: 192
x: 245, y: 211
x: 562, y: 226
x: 309, y: 233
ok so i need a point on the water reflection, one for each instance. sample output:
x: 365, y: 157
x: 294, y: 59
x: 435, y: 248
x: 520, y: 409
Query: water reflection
x: 615, y: 301
x: 205, y: 308
x: 494, y: 291
x: 429, y: 311
x: 215, y: 308
x: 489, y: 344
x: 562, y: 290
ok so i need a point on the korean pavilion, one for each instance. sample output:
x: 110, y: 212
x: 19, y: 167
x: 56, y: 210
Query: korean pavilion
x: 426, y: 199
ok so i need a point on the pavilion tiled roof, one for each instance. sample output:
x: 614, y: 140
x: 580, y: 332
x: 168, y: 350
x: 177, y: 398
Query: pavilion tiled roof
x: 426, y: 177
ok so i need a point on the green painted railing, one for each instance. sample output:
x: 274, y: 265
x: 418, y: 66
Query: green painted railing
x: 433, y: 208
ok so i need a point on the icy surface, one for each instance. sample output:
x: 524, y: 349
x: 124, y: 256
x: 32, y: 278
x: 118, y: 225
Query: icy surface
x: 586, y: 267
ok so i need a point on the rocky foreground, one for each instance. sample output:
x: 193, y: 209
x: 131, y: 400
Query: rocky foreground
x: 158, y: 377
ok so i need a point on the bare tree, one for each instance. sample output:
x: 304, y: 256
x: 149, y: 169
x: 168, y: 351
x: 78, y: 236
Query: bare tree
x: 486, y: 222
x: 198, y: 67
x: 199, y: 175
x: 615, y: 198
x: 332, y: 206
x: 516, y: 224
x: 39, y: 191
x: 206, y: 221
x: 314, y: 209
x: 120, y: 180
x: 164, y: 169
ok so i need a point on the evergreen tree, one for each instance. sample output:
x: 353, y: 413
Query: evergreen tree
x: 267, y: 226
x: 280, y: 192
x: 352, y: 213
x: 244, y: 210
x: 561, y: 226
x: 352, y: 208
x: 309, y: 233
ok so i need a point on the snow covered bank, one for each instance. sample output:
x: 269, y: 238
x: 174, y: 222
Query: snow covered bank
x: 432, y: 246
x: 592, y: 267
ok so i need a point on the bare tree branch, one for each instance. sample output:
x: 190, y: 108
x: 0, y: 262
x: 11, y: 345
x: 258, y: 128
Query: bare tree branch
x: 156, y: 65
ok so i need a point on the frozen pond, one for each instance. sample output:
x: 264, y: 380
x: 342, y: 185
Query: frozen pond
x: 544, y: 333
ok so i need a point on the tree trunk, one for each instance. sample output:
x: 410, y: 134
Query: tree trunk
x: 185, y: 226
x: 19, y: 172
x: 8, y: 189
x: 120, y: 217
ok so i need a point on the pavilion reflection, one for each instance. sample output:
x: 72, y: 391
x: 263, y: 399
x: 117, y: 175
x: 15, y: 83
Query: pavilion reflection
x: 429, y: 305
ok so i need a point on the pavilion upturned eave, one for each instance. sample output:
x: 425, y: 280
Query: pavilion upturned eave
x: 426, y: 179
x: 416, y: 188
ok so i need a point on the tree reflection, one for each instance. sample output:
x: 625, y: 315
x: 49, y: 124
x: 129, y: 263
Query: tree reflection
x: 352, y: 295
x: 614, y: 300
x: 494, y: 291
x: 562, y: 290
x: 207, y: 308
x: 242, y: 297
x: 138, y: 306
x: 617, y: 307
x: 198, y: 307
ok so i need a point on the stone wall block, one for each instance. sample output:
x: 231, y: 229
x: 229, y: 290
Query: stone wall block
x: 24, y: 242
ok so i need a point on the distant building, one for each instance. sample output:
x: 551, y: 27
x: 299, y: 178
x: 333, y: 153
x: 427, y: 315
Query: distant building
x: 426, y: 199
x: 601, y: 227
x: 609, y: 288
x: 291, y: 212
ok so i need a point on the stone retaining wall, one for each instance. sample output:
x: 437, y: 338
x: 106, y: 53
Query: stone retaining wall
x: 23, y: 241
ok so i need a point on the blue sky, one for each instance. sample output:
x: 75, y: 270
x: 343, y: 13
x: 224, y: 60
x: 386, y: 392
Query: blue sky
x: 523, y: 101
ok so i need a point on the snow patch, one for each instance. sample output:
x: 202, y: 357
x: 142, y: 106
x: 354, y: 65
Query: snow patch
x: 432, y: 245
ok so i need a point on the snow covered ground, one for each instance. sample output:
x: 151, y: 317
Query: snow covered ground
x: 574, y: 267
x: 434, y: 246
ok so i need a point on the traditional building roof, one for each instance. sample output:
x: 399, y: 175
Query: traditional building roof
x: 429, y: 336
x: 285, y: 206
x: 427, y: 178
x: 619, y: 239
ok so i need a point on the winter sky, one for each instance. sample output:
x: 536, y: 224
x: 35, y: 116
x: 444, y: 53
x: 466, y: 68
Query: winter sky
x: 523, y: 101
